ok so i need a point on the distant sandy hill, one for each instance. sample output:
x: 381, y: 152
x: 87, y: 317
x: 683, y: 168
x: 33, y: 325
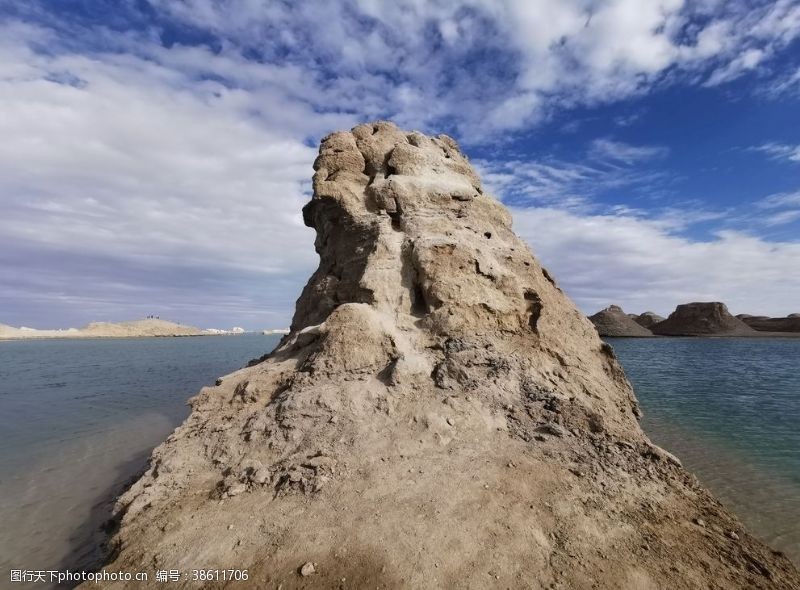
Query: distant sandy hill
x: 134, y: 329
x: 612, y: 321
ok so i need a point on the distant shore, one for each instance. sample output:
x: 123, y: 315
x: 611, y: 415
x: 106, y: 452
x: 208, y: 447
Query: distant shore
x: 756, y: 335
x: 146, y: 328
x: 700, y: 319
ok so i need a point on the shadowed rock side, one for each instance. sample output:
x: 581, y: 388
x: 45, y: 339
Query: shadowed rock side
x: 441, y: 415
x: 702, y: 319
x: 790, y: 323
x: 648, y: 319
x: 612, y: 321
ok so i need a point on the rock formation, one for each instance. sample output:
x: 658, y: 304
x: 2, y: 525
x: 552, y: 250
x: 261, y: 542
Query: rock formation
x: 702, y: 319
x: 440, y: 415
x: 648, y: 319
x: 790, y: 323
x: 612, y: 321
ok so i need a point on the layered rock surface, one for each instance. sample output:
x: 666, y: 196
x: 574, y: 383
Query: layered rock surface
x: 790, y: 323
x: 441, y: 415
x: 612, y: 321
x: 702, y: 319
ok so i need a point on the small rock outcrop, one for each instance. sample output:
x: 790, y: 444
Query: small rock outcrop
x: 612, y: 321
x: 441, y: 415
x: 702, y: 319
x: 648, y: 319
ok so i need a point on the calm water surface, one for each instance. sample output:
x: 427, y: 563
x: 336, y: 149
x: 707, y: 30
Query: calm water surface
x: 730, y: 409
x: 78, y: 418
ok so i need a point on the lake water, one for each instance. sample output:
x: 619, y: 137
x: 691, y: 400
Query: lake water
x: 79, y: 418
x: 729, y: 408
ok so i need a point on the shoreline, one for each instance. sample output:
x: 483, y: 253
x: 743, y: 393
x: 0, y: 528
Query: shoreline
x: 744, y: 486
x: 145, y: 328
x: 763, y: 335
x: 93, y: 337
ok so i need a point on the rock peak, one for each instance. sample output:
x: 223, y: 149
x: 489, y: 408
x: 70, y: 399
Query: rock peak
x: 377, y: 192
x: 408, y: 240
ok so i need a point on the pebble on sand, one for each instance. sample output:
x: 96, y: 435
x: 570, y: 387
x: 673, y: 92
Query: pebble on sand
x: 307, y: 569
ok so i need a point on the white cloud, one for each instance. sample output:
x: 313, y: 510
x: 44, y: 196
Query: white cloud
x: 743, y: 63
x: 642, y: 265
x: 624, y: 152
x: 139, y: 164
x: 781, y: 200
x: 783, y: 85
x: 783, y: 217
x: 741, y: 37
x: 783, y: 208
x: 571, y: 184
x: 780, y: 151
x: 535, y: 57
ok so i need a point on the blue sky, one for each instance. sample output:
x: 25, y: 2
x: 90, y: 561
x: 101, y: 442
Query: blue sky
x: 157, y: 153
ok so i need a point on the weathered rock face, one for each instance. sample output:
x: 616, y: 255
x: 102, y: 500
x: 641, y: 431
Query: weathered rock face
x: 441, y: 415
x: 648, y: 319
x: 412, y: 250
x: 612, y: 321
x: 702, y: 319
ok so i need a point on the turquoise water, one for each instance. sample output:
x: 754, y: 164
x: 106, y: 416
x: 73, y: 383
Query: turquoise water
x: 78, y: 418
x: 730, y: 409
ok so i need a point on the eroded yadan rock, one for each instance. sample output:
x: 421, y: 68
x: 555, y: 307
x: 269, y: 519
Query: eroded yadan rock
x: 441, y: 415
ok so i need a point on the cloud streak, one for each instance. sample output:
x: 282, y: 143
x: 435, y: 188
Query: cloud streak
x: 780, y: 151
